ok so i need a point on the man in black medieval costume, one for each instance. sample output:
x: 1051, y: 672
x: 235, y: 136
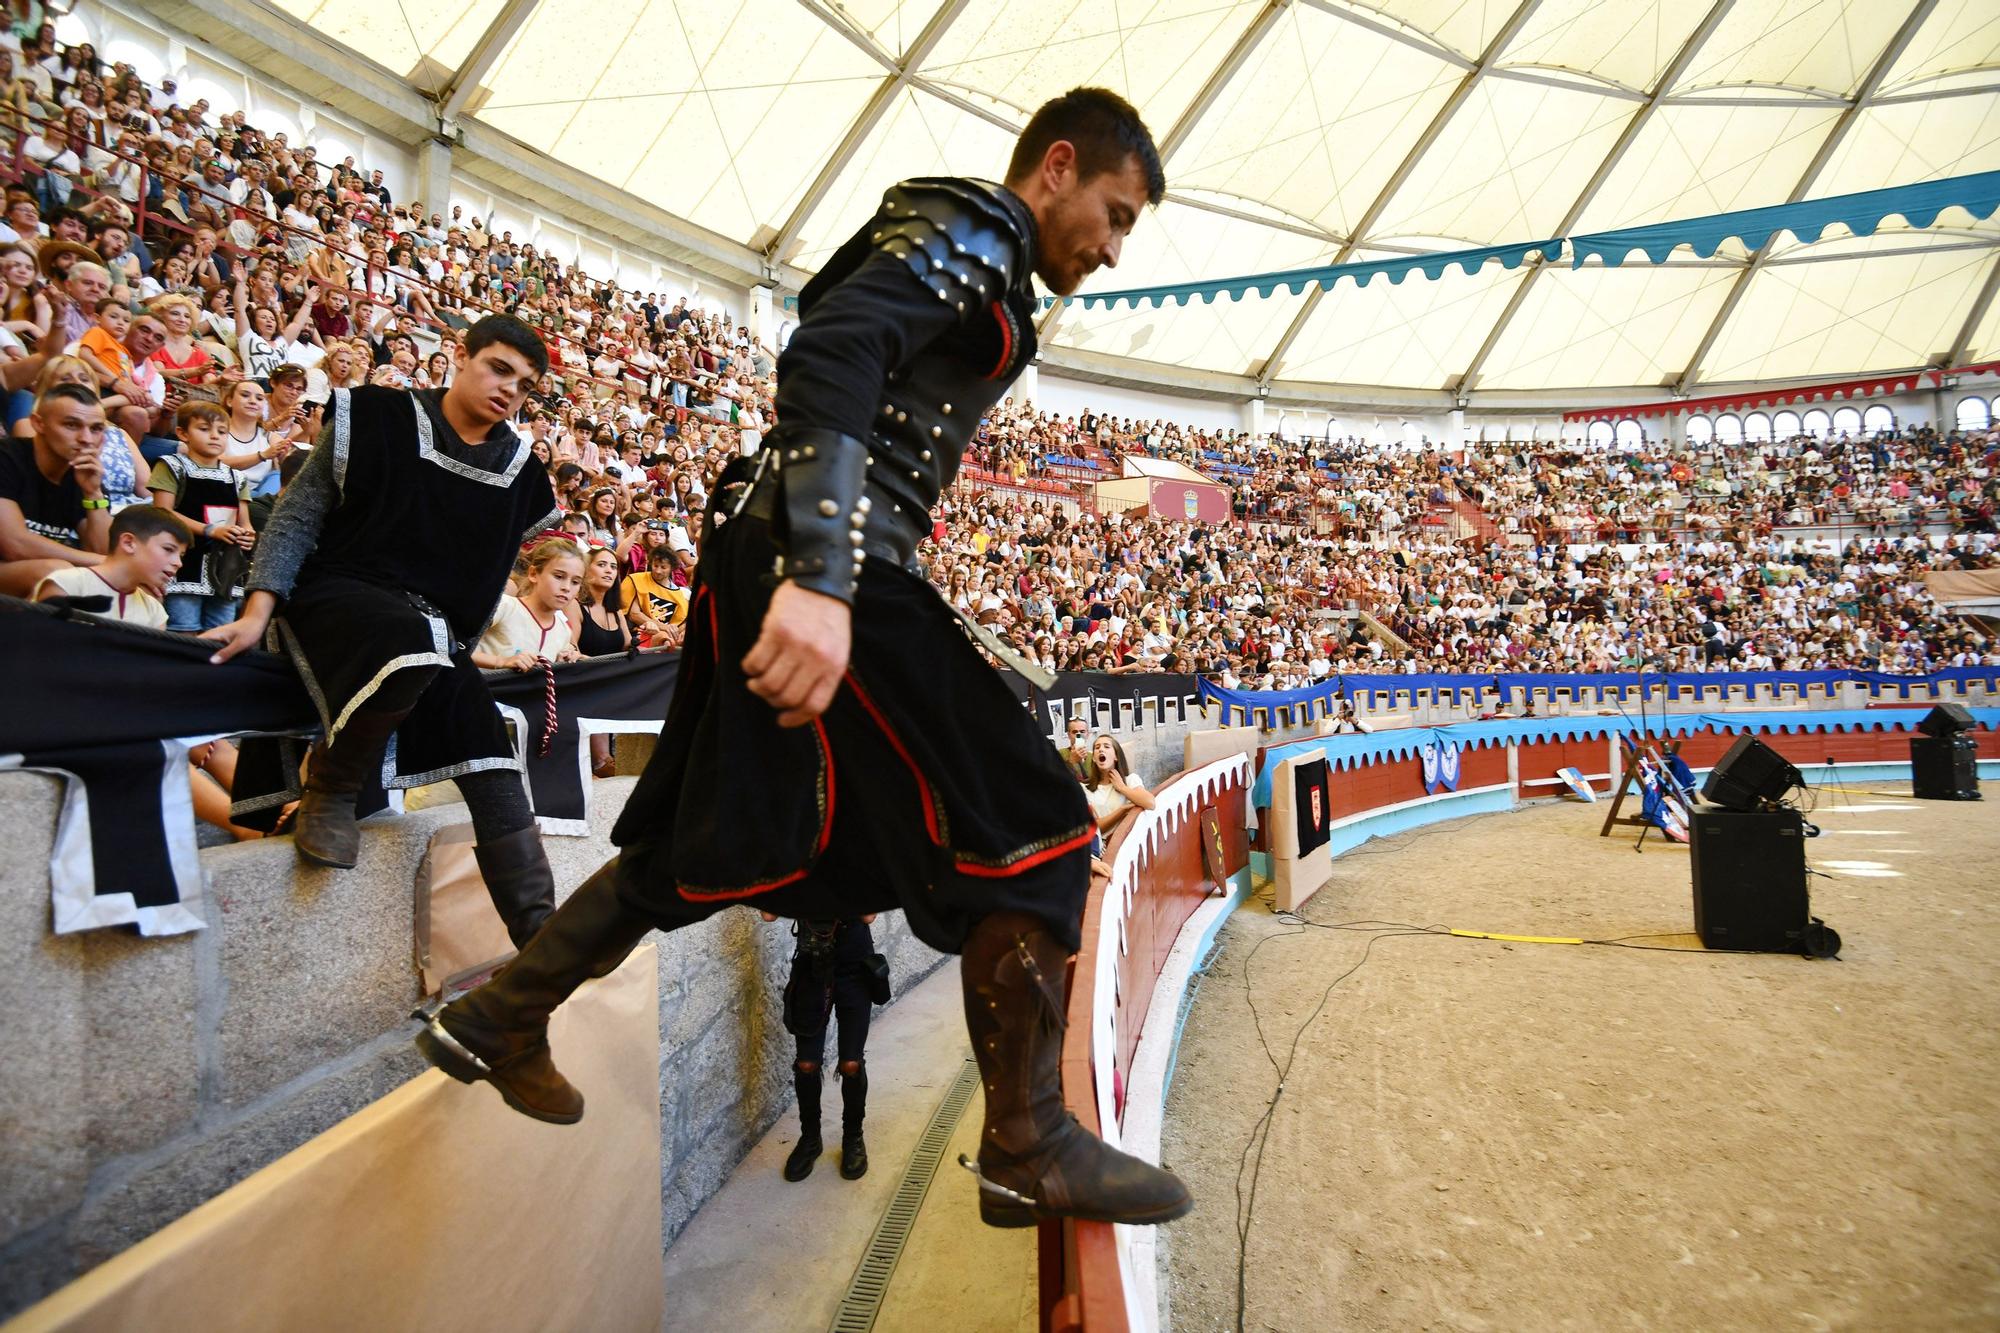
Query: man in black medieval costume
x: 837, y: 745
x: 375, y: 574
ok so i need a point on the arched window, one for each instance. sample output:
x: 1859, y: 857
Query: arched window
x: 221, y: 101
x: 1785, y: 425
x: 1878, y: 419
x: 1728, y: 429
x: 1599, y: 434
x: 140, y: 57
x: 1700, y: 429
x: 1847, y: 421
x: 1815, y: 424
x: 1974, y: 414
x: 1628, y: 435
x: 1757, y: 428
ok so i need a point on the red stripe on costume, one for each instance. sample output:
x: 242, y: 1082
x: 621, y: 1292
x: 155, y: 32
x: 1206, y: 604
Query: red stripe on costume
x: 751, y: 892
x: 1006, y: 341
x: 714, y: 634
x: 819, y: 844
x: 826, y: 753
x: 896, y: 743
x: 1027, y: 862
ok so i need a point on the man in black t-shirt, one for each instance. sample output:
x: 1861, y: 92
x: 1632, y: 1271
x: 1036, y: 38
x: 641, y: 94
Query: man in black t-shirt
x: 53, y: 513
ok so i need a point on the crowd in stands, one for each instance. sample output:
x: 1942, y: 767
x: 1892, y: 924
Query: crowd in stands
x: 213, y: 284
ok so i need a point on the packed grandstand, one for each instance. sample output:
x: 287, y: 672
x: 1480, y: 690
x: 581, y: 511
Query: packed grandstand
x: 1341, y: 555
x: 1426, y: 502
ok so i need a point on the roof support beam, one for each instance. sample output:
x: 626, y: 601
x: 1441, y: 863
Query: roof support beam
x: 1633, y: 128
x: 864, y: 125
x: 1459, y: 96
x: 1246, y: 46
x: 1863, y: 98
x: 1394, y: 32
x: 465, y: 80
x: 1961, y: 346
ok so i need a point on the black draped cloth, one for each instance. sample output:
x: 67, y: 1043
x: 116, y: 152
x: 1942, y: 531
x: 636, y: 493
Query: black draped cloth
x: 925, y: 786
x: 114, y: 709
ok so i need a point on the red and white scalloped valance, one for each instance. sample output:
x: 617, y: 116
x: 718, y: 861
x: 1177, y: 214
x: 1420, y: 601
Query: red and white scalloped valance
x: 1874, y: 386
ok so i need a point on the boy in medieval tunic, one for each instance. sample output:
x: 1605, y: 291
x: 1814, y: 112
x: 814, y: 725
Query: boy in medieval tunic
x: 378, y: 569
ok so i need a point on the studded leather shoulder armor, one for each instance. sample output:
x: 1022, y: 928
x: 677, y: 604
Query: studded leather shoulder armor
x: 969, y: 241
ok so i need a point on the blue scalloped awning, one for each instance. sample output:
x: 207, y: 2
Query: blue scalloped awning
x: 1861, y: 213
x: 1297, y: 280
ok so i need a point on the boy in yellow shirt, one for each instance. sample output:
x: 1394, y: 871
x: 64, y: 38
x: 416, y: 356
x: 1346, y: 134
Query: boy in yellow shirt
x: 653, y: 604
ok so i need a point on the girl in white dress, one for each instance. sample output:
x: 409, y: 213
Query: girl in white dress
x: 532, y: 626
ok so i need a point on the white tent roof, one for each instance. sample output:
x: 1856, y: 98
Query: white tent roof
x: 1301, y: 132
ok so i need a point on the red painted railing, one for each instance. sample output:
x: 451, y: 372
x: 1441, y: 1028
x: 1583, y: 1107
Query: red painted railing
x: 1160, y: 876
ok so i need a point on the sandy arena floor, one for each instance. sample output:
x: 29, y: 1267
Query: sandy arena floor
x: 1479, y: 1135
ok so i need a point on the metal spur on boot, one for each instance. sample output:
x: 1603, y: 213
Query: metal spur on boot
x: 998, y: 1205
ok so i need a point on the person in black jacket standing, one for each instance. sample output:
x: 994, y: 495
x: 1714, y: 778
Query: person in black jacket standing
x: 834, y: 975
x: 837, y: 745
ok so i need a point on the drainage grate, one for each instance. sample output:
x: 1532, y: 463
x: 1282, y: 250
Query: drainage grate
x: 869, y: 1286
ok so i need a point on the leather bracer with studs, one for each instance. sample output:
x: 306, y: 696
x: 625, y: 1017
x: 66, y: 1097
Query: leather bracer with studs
x: 821, y: 477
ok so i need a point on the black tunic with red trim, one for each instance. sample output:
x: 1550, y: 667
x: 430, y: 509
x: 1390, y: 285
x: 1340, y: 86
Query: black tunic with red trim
x: 925, y: 786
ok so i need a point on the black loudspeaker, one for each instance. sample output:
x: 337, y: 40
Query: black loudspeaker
x: 1944, y: 768
x: 1750, y: 775
x: 1946, y: 720
x: 1750, y: 883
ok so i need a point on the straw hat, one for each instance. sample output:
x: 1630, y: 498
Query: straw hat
x: 49, y: 251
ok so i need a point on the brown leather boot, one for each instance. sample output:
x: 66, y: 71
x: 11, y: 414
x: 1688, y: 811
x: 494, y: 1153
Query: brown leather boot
x: 518, y: 878
x: 1035, y: 1160
x: 498, y: 1033
x: 324, y: 830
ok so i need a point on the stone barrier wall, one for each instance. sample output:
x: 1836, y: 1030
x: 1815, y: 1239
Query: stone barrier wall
x: 145, y: 1076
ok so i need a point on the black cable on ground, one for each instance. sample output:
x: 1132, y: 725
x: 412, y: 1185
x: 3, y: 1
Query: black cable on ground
x: 1260, y: 1132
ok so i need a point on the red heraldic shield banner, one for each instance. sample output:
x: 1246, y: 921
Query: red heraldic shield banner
x: 1315, y: 807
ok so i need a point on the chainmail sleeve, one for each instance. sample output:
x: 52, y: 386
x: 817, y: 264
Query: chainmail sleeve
x: 293, y: 529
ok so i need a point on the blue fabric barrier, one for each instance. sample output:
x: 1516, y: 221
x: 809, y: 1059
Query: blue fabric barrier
x: 1289, y: 707
x: 1355, y: 750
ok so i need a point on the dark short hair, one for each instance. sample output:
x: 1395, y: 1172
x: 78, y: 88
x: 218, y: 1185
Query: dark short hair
x: 76, y: 393
x: 510, y: 333
x: 1105, y: 130
x: 146, y: 522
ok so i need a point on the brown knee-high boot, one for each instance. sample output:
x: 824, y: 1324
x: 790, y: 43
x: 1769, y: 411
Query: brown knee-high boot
x: 324, y: 830
x: 518, y: 879
x: 498, y: 1033
x: 1035, y: 1160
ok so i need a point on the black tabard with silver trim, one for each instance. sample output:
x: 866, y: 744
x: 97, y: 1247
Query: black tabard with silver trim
x: 419, y: 511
